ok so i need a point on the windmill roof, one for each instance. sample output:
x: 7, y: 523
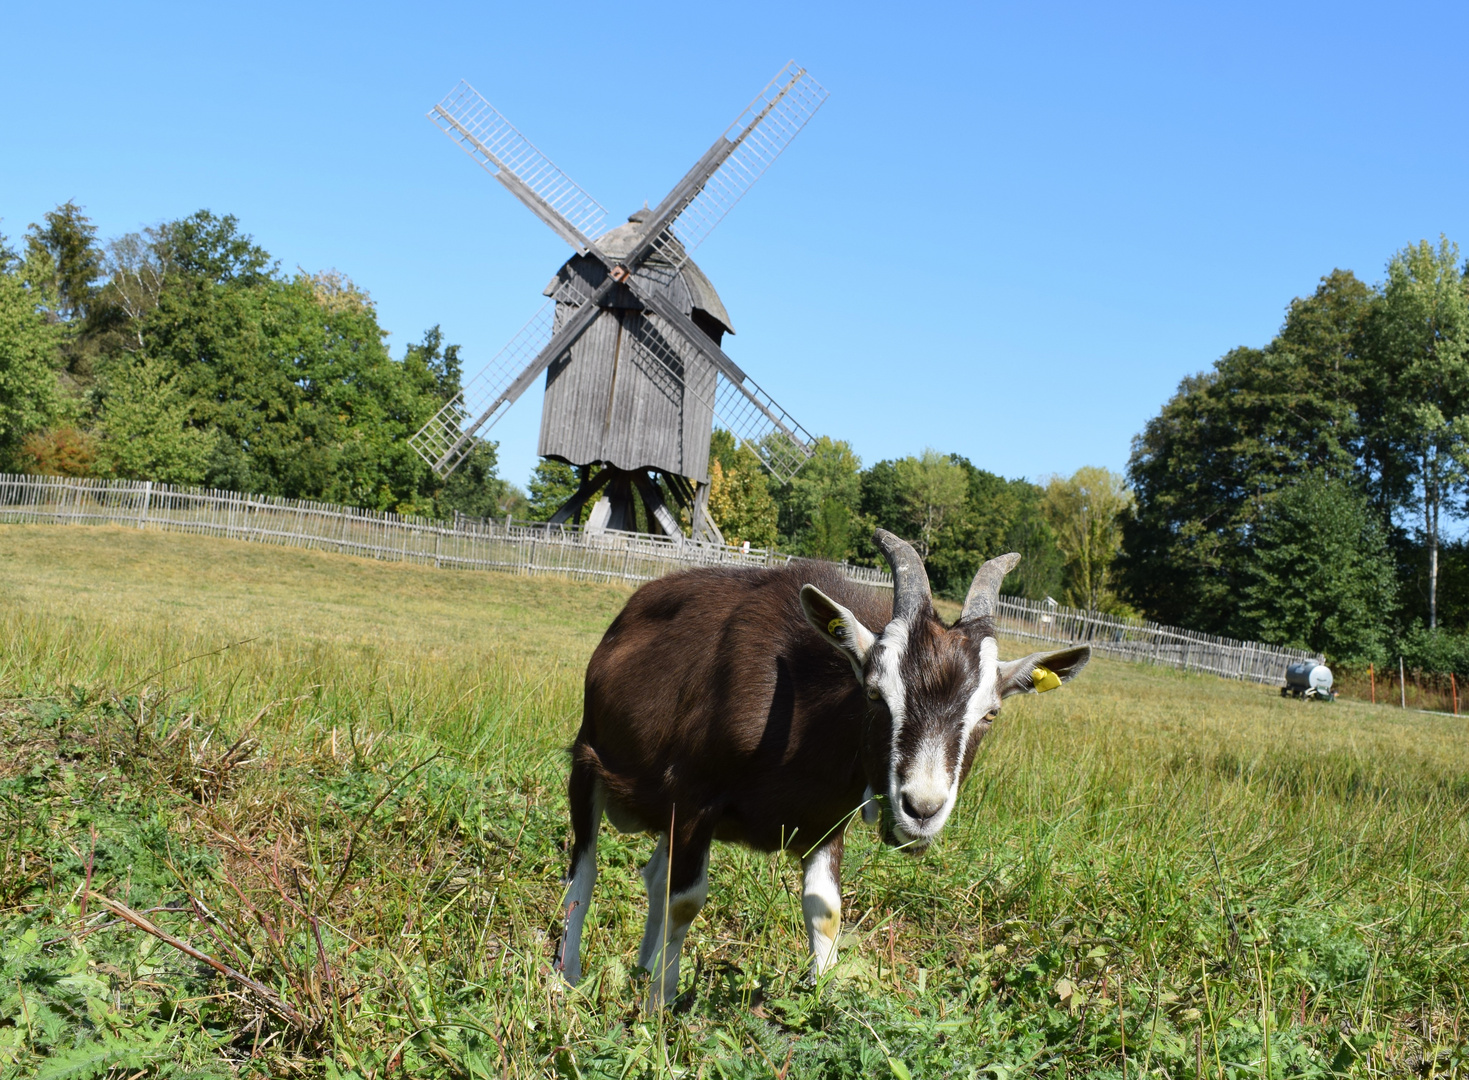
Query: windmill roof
x: 620, y: 241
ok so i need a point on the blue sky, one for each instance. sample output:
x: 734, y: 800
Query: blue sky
x: 1009, y: 233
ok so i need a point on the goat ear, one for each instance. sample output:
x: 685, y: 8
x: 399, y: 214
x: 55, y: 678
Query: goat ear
x: 1039, y: 672
x: 837, y: 625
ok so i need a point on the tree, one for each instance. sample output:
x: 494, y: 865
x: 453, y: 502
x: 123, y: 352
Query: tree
x: 209, y: 248
x: 1042, y: 568
x: 817, y: 509
x: 1086, y: 511
x: 739, y: 493
x: 439, y: 360
x: 28, y: 354
x: 1417, y: 339
x: 65, y: 450
x: 1322, y: 577
x: 551, y: 484
x: 136, y: 266
x: 1229, y: 437
x: 292, y: 374
x: 931, y: 489
x: 977, y: 531
x: 67, y: 244
x: 144, y: 431
x: 475, y: 489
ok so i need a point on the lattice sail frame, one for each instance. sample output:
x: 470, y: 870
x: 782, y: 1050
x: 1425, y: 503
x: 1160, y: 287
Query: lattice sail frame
x: 450, y: 434
x: 781, y: 443
x: 493, y: 141
x: 759, y: 134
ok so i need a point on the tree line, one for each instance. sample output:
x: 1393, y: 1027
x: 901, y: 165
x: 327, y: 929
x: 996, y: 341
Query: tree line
x: 1301, y: 493
x: 183, y: 354
x: 955, y: 514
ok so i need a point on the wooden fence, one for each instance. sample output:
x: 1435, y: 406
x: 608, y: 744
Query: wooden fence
x: 583, y: 554
x: 1149, y: 643
x: 468, y: 544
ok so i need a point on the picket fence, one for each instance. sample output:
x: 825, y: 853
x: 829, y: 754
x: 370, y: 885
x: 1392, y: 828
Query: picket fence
x: 534, y: 548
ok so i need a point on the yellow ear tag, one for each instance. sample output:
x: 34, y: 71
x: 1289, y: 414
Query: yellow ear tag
x: 1043, y: 679
x: 834, y: 628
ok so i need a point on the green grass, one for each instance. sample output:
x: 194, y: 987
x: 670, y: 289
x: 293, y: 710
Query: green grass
x: 345, y: 780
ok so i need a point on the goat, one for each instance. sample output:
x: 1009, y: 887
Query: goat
x: 721, y: 704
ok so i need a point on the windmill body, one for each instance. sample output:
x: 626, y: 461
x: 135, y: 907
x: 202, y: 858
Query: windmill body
x: 630, y: 337
x: 631, y: 393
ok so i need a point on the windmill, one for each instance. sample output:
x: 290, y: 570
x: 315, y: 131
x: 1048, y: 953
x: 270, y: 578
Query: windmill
x: 630, y: 335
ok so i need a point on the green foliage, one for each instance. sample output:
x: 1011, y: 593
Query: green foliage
x: 185, y: 356
x: 1322, y: 577
x: 740, y: 501
x: 931, y: 491
x: 66, y: 245
x: 817, y: 510
x: 1416, y: 413
x: 475, y: 488
x: 1436, y: 650
x: 29, y: 399
x: 1086, y: 511
x: 996, y: 516
x: 212, y: 249
x: 143, y: 430
x: 1042, y: 566
x: 551, y: 484
x: 1228, y: 438
x: 439, y: 359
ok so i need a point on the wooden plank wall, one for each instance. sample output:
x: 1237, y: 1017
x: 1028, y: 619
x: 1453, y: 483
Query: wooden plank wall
x: 535, y: 549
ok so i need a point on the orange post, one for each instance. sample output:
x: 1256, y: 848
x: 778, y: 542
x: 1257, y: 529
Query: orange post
x: 1372, y: 682
x: 1454, y: 685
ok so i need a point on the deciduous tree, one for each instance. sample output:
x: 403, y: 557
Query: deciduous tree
x: 29, y: 399
x: 932, y: 490
x: 1322, y: 577
x: 1227, y: 439
x: 1086, y: 512
x: 1417, y: 339
x: 817, y: 510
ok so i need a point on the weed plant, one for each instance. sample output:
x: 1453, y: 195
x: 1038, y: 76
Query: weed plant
x: 342, y: 783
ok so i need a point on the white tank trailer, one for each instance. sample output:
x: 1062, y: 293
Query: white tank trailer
x: 1308, y: 679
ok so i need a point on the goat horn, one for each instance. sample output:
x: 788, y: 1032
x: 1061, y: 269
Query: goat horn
x: 984, y: 593
x: 911, y: 592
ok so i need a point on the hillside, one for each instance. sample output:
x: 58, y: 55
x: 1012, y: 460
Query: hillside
x: 356, y: 770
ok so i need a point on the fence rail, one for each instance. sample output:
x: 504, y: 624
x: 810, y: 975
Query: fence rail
x: 1148, y: 642
x: 584, y: 554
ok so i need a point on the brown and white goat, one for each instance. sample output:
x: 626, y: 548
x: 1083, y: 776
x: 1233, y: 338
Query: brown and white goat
x: 721, y: 704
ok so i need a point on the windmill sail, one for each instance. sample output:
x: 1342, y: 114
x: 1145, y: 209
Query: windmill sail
x: 507, y: 155
x: 449, y: 435
x: 746, y: 149
x: 736, y: 400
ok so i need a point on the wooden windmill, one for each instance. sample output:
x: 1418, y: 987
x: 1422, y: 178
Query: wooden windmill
x: 630, y: 336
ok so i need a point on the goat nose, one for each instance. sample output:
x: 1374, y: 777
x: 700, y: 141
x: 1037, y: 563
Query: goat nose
x: 921, y: 807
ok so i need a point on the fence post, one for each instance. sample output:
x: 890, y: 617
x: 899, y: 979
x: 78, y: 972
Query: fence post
x: 1402, y: 683
x: 143, y: 506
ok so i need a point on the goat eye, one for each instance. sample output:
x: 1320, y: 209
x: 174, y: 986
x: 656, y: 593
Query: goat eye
x: 874, y: 694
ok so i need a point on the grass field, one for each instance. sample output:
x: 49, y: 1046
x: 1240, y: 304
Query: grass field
x: 343, y: 780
